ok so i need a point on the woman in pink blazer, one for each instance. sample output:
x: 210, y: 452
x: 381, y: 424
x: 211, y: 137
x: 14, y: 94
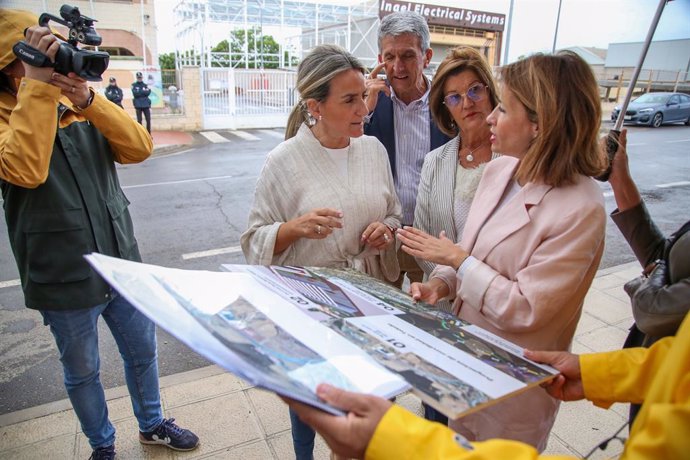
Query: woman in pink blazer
x: 535, y: 232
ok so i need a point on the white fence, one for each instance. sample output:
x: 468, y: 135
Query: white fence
x: 244, y: 98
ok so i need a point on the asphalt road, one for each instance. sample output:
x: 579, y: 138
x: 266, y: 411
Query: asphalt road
x: 189, y: 210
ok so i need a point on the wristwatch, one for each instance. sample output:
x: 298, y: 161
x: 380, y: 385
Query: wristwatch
x: 88, y: 103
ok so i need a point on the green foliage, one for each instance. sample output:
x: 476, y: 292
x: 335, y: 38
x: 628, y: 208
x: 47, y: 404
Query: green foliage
x: 166, y: 61
x: 259, y: 49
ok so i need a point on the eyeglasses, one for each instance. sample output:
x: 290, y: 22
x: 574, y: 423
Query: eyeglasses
x: 475, y: 93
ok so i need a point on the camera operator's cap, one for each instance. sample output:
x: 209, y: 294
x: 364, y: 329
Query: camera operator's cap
x: 13, y: 23
x: 140, y: 75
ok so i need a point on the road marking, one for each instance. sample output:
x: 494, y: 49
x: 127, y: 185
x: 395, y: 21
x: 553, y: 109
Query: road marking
x: 174, y: 182
x: 10, y: 283
x: 276, y: 134
x: 211, y: 252
x: 674, y: 184
x: 213, y: 137
x: 246, y: 136
x: 608, y: 194
x: 681, y: 140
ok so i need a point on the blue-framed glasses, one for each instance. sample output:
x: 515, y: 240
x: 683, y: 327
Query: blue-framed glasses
x: 475, y: 93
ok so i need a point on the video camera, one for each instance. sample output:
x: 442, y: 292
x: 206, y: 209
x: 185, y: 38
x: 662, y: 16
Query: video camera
x: 89, y: 65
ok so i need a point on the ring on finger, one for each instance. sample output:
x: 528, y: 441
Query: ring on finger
x: 73, y: 88
x: 386, y: 238
x: 318, y: 229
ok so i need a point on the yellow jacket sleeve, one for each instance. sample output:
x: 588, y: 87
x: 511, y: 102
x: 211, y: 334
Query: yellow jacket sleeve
x: 129, y: 141
x: 25, y: 151
x: 402, y: 435
x: 622, y: 375
x: 659, y: 376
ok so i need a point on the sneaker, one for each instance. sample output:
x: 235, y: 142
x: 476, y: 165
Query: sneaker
x: 170, y: 435
x: 103, y: 453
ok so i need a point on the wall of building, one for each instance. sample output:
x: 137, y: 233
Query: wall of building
x: 191, y: 116
x: 672, y: 55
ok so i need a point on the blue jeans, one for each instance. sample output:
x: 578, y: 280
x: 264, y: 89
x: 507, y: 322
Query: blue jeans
x: 76, y: 336
x: 302, y: 438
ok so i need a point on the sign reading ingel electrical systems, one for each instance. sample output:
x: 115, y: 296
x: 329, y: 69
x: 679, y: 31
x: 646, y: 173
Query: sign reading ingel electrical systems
x: 446, y: 15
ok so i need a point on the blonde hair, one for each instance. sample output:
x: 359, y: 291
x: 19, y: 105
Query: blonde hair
x: 561, y: 96
x: 314, y: 75
x: 457, y: 61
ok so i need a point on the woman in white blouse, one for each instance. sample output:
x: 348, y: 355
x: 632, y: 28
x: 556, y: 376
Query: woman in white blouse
x: 325, y: 196
x: 463, y: 94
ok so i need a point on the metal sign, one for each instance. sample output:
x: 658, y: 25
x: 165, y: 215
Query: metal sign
x: 446, y: 15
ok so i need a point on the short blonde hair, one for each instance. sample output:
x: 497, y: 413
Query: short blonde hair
x: 458, y: 60
x: 561, y: 96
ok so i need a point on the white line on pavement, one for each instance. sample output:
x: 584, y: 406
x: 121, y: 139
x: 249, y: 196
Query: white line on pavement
x: 608, y: 194
x: 211, y: 252
x: 674, y: 184
x: 680, y: 140
x: 276, y: 134
x: 213, y: 137
x: 174, y: 182
x: 10, y: 283
x: 246, y: 136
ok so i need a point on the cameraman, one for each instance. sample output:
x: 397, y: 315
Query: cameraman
x: 62, y: 199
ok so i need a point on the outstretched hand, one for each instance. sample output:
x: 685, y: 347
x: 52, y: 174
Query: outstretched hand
x: 567, y: 386
x: 441, y: 250
x: 350, y: 435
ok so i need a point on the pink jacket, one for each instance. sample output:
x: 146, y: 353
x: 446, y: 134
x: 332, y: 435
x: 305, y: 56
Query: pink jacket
x: 538, y: 256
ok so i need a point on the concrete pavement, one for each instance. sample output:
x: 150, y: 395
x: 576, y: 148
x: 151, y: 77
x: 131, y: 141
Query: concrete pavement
x: 237, y: 421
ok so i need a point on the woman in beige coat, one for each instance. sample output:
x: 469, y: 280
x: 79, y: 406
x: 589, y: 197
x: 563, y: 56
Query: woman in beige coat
x: 534, y: 234
x: 325, y: 196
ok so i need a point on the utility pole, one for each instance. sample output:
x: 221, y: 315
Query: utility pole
x: 510, y: 21
x: 558, y: 20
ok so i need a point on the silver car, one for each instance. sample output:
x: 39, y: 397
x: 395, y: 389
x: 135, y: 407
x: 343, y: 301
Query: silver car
x: 655, y: 109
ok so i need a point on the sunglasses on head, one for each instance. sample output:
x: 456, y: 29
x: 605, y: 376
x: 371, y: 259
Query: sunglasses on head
x: 475, y: 93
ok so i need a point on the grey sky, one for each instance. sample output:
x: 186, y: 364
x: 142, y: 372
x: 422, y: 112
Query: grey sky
x: 583, y: 22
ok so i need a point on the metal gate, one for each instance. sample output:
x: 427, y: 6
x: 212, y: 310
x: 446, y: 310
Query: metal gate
x: 242, y: 98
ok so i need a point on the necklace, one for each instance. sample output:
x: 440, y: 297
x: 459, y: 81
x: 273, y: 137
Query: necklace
x: 470, y: 156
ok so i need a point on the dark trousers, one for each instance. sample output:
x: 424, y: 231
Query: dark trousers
x: 433, y: 415
x: 147, y: 115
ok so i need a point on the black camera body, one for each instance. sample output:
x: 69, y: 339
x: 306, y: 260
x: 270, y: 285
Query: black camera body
x: 89, y: 65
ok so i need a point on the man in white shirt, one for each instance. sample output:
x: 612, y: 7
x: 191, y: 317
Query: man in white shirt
x: 399, y: 113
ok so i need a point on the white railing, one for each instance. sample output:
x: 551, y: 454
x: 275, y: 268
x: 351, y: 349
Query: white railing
x: 242, y: 97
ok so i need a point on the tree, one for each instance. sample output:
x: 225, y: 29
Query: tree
x: 166, y: 61
x: 261, y: 49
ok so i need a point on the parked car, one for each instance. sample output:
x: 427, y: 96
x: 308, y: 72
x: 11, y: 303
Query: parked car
x: 655, y: 109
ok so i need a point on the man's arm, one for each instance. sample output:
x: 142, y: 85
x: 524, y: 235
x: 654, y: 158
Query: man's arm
x: 27, y: 137
x: 130, y: 142
x: 28, y: 134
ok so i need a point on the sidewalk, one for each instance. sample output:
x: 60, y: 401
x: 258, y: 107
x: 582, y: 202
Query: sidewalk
x: 164, y: 141
x: 237, y: 421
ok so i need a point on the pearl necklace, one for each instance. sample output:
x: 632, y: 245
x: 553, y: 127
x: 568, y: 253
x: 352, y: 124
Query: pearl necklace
x: 470, y: 156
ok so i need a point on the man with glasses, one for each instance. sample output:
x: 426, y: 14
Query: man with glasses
x: 399, y: 112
